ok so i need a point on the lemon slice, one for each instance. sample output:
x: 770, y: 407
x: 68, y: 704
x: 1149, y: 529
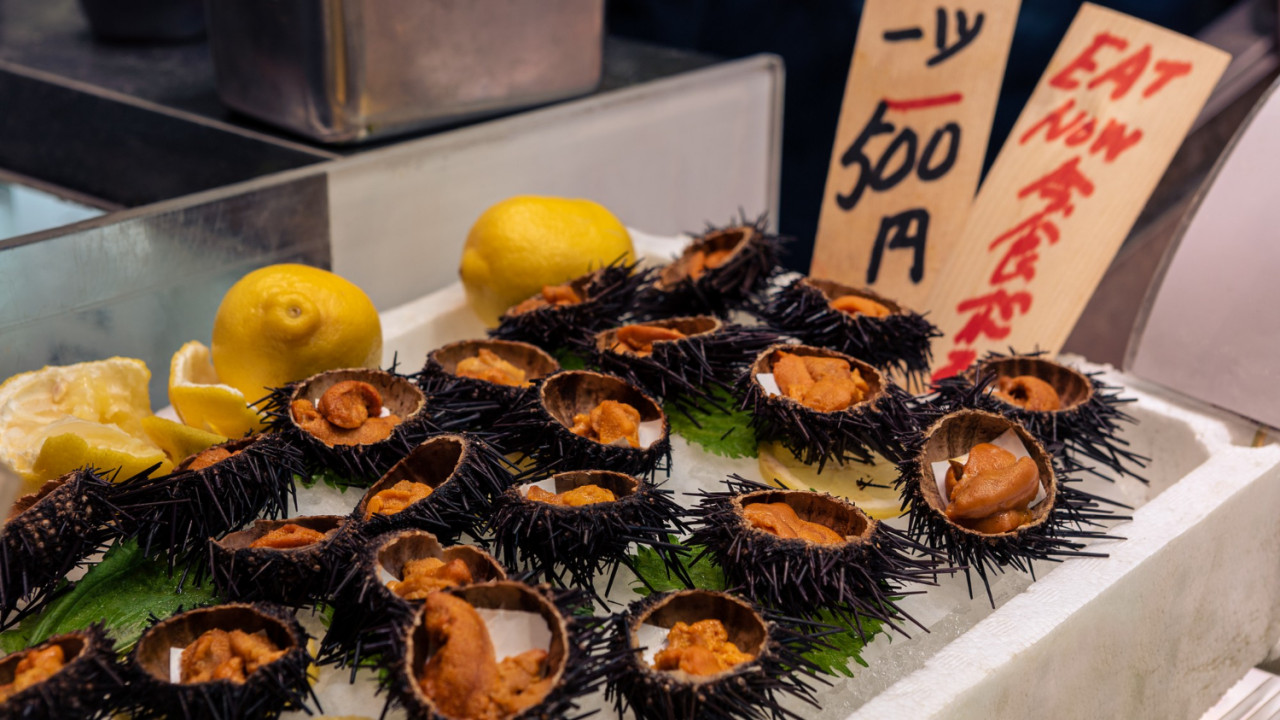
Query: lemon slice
x: 870, y: 487
x: 204, y: 403
x: 109, y: 392
x: 72, y: 443
x: 179, y: 441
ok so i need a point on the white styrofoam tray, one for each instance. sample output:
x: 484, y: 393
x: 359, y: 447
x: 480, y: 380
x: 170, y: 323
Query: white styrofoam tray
x: 1179, y: 611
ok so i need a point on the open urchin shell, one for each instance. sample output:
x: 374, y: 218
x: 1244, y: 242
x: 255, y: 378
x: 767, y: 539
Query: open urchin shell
x: 1061, y: 523
x: 361, y: 464
x: 368, y: 617
x: 279, y: 685
x: 48, y: 533
x: 607, y: 295
x: 87, y: 686
x: 861, y: 576
x: 736, y: 283
x: 540, y: 428
x: 1087, y: 427
x: 582, y: 542
x: 464, y: 473
x: 176, y: 514
x: 752, y: 689
x: 686, y: 370
x: 899, y: 342
x: 294, y: 576
x: 879, y: 423
x: 575, y: 657
x: 462, y: 402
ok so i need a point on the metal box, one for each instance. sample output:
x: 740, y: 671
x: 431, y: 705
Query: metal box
x: 342, y: 71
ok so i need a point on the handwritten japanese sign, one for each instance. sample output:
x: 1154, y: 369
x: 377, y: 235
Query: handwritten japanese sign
x: 1091, y: 144
x: 913, y: 131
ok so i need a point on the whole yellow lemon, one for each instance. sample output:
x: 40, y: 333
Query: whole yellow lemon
x: 286, y: 322
x: 525, y: 242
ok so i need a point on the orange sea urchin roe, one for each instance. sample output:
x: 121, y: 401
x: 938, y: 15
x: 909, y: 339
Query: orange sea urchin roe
x: 702, y: 648
x: 639, y: 339
x: 551, y: 295
x: 577, y: 497
x: 1028, y: 392
x: 994, y: 490
x: 609, y: 421
x: 288, y: 537
x: 222, y: 655
x: 780, y: 519
x: 857, y: 305
x: 822, y: 383
x: 348, y: 414
x: 397, y: 498
x: 700, y: 261
x: 427, y: 575
x: 463, y: 677
x: 210, y: 456
x: 490, y: 367
x: 37, y: 666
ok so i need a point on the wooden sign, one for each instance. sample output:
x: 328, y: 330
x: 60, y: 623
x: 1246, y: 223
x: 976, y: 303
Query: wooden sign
x: 1095, y: 137
x: 909, y: 148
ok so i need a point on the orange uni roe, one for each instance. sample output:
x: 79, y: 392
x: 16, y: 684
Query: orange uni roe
x: 577, y: 497
x: 222, y: 655
x: 490, y: 367
x: 288, y: 537
x: 349, y: 413
x: 427, y: 575
x: 702, y: 648
x: 780, y: 519
x: 1028, y: 392
x: 551, y: 295
x: 858, y: 305
x: 396, y: 498
x: 821, y: 383
x: 992, y: 491
x: 639, y: 339
x: 463, y: 677
x: 210, y: 456
x: 609, y: 421
x: 36, y: 666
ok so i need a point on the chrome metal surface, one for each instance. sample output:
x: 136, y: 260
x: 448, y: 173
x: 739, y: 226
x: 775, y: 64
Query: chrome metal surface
x: 351, y: 70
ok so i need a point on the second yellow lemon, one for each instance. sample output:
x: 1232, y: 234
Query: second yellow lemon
x: 525, y: 242
x: 286, y: 322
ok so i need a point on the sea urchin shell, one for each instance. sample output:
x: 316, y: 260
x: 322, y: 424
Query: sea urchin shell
x: 606, y: 295
x: 745, y: 258
x: 290, y: 576
x: 460, y: 402
x: 86, y: 686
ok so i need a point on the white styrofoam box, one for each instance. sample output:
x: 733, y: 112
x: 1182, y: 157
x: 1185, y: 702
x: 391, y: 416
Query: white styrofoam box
x: 674, y: 154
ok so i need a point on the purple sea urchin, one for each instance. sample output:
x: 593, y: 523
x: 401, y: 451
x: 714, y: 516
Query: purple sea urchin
x: 753, y: 689
x: 46, y: 534
x: 542, y: 426
x: 177, y: 513
x: 575, y: 663
x: 721, y: 270
x: 606, y: 295
x: 898, y: 342
x: 582, y: 542
x: 290, y: 572
x: 87, y: 685
x: 878, y: 422
x: 466, y: 399
x: 1059, y: 526
x: 862, y: 574
x: 356, y: 462
x: 276, y: 686
x: 463, y: 473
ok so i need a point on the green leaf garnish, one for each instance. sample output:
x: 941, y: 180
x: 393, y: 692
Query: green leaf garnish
x: 569, y: 360
x: 326, y: 476
x: 121, y: 592
x: 654, y: 576
x: 726, y: 432
x: 845, y: 646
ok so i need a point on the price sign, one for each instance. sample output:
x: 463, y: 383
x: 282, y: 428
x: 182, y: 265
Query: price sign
x: 1098, y: 132
x: 913, y: 131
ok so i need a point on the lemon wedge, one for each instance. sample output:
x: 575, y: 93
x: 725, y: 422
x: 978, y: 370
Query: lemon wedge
x: 108, y: 397
x: 72, y: 443
x: 204, y: 403
x: 179, y: 441
x: 870, y: 487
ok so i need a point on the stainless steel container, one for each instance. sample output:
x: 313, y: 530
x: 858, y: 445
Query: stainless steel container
x: 343, y: 71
